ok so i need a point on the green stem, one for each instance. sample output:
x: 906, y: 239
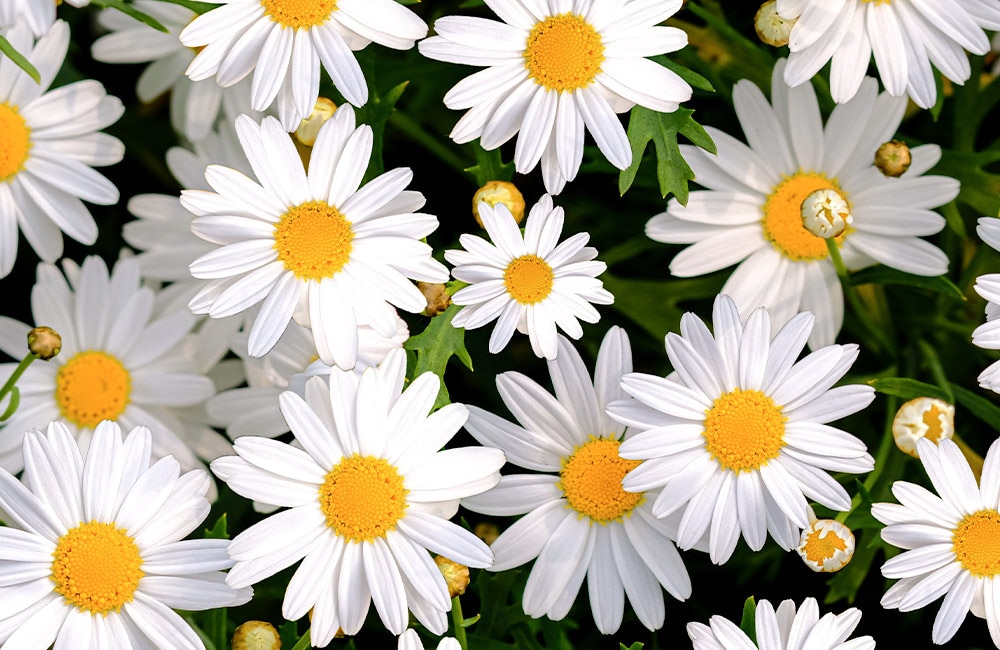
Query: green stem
x: 881, y: 458
x: 459, y: 621
x: 304, y: 641
x: 12, y: 380
x: 851, y: 293
x: 415, y: 132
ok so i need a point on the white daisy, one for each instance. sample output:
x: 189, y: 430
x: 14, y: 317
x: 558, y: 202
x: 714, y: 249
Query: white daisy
x: 39, y: 16
x: 313, y: 245
x: 95, y: 550
x: 579, y: 523
x: 555, y: 68
x: 410, y: 641
x: 284, y: 42
x: 737, y: 437
x: 369, y: 495
x: 905, y: 36
x: 784, y: 628
x: 530, y: 282
x: 951, y: 540
x: 750, y: 214
x: 987, y: 335
x: 49, y: 142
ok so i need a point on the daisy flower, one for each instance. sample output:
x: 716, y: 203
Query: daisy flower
x: 530, y: 281
x: 96, y: 550
x: 39, y: 16
x: 578, y: 523
x: 284, y: 41
x: 738, y: 436
x: 905, y: 36
x: 554, y: 69
x: 313, y: 245
x: 49, y: 142
x: 410, y: 641
x: 750, y: 213
x: 987, y: 335
x: 950, y: 540
x: 369, y: 494
x: 784, y: 628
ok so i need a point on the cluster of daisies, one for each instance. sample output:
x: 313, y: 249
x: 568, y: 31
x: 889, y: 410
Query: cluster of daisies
x: 267, y: 300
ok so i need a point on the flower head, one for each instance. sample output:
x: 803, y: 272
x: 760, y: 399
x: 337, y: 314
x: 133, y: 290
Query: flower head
x: 923, y: 417
x: 826, y: 545
x: 987, y: 335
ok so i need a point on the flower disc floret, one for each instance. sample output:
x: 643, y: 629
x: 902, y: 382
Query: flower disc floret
x: 15, y: 141
x: 313, y: 240
x: 92, y: 386
x: 744, y: 429
x: 528, y: 279
x: 564, y: 52
x: 783, y: 216
x: 299, y: 13
x: 592, y: 480
x: 975, y: 543
x: 97, y: 567
x: 362, y: 498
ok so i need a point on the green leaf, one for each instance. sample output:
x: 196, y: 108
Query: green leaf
x: 635, y: 646
x: 672, y: 170
x: 490, y: 166
x: 885, y: 275
x: 980, y: 188
x: 846, y: 583
x: 693, y: 79
x: 906, y: 388
x: 861, y: 516
x: 436, y: 345
x: 979, y: 406
x: 129, y: 10
x: 749, y: 621
x: 194, y: 5
x: 653, y: 304
x: 376, y: 114
x: 219, y: 530
x: 289, y: 633
x: 19, y: 59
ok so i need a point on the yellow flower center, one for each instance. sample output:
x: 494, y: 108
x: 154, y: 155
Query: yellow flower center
x: 820, y: 547
x: 976, y: 542
x: 313, y: 240
x: 15, y: 141
x: 744, y: 429
x: 362, y: 497
x: 92, y: 386
x: 592, y: 481
x: 783, y: 217
x: 932, y: 418
x: 528, y: 279
x: 299, y: 13
x: 96, y: 567
x: 878, y: 2
x: 564, y: 52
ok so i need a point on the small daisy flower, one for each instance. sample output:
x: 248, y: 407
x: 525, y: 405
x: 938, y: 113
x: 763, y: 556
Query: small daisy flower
x: 284, y: 41
x: 311, y: 245
x: 923, y: 417
x: 578, y: 523
x: 737, y: 437
x: 39, y: 16
x: 369, y: 494
x: 826, y: 545
x: 950, y: 540
x: 49, y: 144
x: 96, y: 550
x: 987, y: 335
x: 783, y: 629
x: 751, y: 212
x: 410, y: 641
x: 905, y: 36
x: 530, y: 282
x: 554, y: 69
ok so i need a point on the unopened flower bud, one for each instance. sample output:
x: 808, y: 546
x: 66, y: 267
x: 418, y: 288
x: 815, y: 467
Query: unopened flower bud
x: 499, y: 192
x: 826, y: 214
x: 256, y: 635
x: 486, y: 531
x: 44, y: 342
x: 893, y: 158
x: 309, y: 127
x: 826, y: 546
x: 772, y: 28
x: 924, y: 417
x: 437, y: 297
x: 455, y: 575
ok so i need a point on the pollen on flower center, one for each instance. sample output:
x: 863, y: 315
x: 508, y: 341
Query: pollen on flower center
x: 564, y: 52
x: 975, y: 543
x: 299, y: 13
x: 96, y: 567
x: 313, y: 240
x: 362, y: 497
x: 744, y: 429
x: 92, y: 386
x: 15, y: 141
x: 592, y: 481
x: 528, y: 279
x: 782, y: 220
x: 821, y: 545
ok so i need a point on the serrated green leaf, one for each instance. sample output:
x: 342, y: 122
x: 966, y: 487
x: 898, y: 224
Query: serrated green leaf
x: 19, y: 59
x: 886, y: 275
x: 436, y: 345
x: 219, y: 530
x: 906, y: 388
x: 978, y: 405
x: 490, y: 166
x: 129, y: 10
x: 749, y: 621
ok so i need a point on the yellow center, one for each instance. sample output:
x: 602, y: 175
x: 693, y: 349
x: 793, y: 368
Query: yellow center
x: 592, y: 480
x: 299, y: 13
x: 976, y: 542
x: 932, y: 418
x: 96, y: 567
x: 528, y: 279
x: 783, y: 217
x: 92, y: 386
x: 563, y: 53
x: 744, y: 429
x: 15, y: 141
x: 820, y: 549
x: 878, y: 2
x: 362, y: 497
x: 313, y: 240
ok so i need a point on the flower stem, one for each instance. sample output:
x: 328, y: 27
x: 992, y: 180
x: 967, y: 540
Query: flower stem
x: 12, y: 380
x: 304, y: 641
x: 459, y: 621
x: 851, y: 293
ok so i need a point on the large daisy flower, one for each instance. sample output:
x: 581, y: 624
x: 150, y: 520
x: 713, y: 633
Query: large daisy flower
x: 369, y: 494
x: 578, y: 523
x: 950, y: 537
x: 737, y: 436
x: 39, y: 16
x: 312, y: 245
x: 284, y: 41
x: 906, y: 37
x: 987, y: 335
x: 751, y: 212
x: 555, y: 69
x: 49, y: 142
x: 530, y: 282
x: 95, y: 550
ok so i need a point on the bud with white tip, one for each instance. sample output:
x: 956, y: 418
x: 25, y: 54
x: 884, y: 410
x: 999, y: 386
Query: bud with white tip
x: 826, y: 213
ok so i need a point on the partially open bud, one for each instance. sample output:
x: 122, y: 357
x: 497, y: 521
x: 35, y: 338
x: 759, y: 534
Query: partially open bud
x: 772, y: 28
x: 309, y: 127
x: 826, y: 213
x: 256, y: 635
x: 437, y: 297
x: 924, y: 417
x: 455, y: 574
x: 499, y: 192
x: 44, y: 342
x: 486, y: 531
x: 893, y: 158
x: 826, y: 546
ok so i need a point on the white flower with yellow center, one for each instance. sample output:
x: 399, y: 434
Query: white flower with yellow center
x: 95, y: 547
x: 751, y: 212
x: 284, y: 42
x: 737, y: 437
x: 951, y: 540
x: 556, y: 69
x: 529, y: 282
x: 311, y: 245
x: 987, y: 335
x: 39, y: 15
x: 578, y: 523
x: 49, y: 144
x: 369, y: 493
x: 905, y: 36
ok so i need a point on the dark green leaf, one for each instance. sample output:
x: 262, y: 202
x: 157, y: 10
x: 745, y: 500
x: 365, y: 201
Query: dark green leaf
x: 693, y: 79
x: 861, y: 516
x: 490, y: 166
x: 846, y: 583
x: 652, y: 304
x: 194, y: 5
x: 436, y: 345
x: 885, y: 275
x: 749, y: 621
x: 980, y: 188
x: 978, y: 405
x: 376, y: 114
x: 289, y: 633
x: 219, y: 530
x: 906, y: 388
x: 635, y: 646
x: 129, y: 10
x: 19, y: 59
